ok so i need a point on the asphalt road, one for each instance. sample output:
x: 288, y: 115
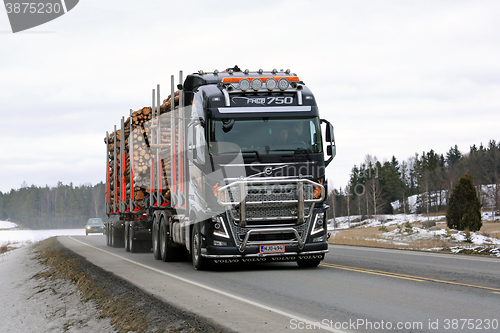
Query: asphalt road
x: 355, y: 289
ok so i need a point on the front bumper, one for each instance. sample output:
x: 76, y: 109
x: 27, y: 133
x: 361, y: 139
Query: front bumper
x: 225, y: 255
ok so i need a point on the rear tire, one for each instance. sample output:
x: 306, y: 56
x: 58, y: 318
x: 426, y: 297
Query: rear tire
x: 166, y: 251
x: 108, y: 241
x: 125, y: 238
x: 199, y: 263
x: 155, y: 235
x: 132, y: 244
x: 116, y: 240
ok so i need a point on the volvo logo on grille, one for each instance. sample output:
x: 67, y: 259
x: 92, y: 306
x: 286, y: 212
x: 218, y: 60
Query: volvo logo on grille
x: 268, y: 171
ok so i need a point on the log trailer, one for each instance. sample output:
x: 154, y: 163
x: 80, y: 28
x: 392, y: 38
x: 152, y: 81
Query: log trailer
x: 231, y: 169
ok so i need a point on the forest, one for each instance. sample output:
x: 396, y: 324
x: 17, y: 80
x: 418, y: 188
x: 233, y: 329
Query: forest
x: 373, y: 185
x: 62, y: 206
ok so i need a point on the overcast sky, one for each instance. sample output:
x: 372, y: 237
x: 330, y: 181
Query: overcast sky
x: 393, y: 77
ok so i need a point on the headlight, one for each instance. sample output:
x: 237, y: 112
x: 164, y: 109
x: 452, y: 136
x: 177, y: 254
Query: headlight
x: 219, y: 227
x: 88, y: 227
x: 318, y: 223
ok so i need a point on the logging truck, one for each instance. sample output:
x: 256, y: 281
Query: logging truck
x: 230, y: 168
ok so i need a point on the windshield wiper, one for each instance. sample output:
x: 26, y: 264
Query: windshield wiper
x: 296, y: 151
x: 244, y: 152
x: 253, y: 151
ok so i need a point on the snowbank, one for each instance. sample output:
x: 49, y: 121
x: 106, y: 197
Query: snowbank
x: 8, y: 225
x: 9, y: 233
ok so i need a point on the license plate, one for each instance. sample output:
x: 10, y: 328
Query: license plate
x: 272, y: 248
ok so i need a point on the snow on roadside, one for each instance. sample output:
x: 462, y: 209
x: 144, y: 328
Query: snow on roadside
x: 40, y: 305
x: 10, y: 234
x: 407, y: 233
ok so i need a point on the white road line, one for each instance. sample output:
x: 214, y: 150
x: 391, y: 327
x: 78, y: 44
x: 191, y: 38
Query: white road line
x: 416, y: 253
x: 224, y: 293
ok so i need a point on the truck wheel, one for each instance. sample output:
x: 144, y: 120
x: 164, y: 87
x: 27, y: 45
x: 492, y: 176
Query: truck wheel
x: 155, y: 235
x: 132, y: 244
x: 199, y: 263
x: 308, y: 263
x: 116, y: 240
x: 166, y: 250
x: 125, y: 238
x: 108, y: 242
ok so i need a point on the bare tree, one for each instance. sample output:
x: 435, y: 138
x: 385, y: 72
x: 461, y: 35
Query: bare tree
x: 97, y: 199
x: 375, y: 193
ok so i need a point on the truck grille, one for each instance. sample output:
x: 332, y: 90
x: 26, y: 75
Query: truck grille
x: 267, y: 203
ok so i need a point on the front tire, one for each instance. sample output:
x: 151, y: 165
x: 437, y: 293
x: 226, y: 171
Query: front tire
x: 199, y: 263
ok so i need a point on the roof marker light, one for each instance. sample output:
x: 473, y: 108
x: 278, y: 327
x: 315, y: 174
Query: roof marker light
x: 287, y: 71
x: 256, y: 84
x: 283, y: 84
x: 260, y: 71
x: 200, y: 72
x: 271, y: 84
x: 275, y: 71
x: 216, y: 72
x: 246, y: 71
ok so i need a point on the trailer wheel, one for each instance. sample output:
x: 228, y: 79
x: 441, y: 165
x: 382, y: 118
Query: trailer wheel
x: 132, y: 244
x: 108, y: 242
x: 116, y: 240
x: 308, y: 263
x: 199, y: 263
x: 155, y: 235
x: 125, y: 238
x: 166, y: 250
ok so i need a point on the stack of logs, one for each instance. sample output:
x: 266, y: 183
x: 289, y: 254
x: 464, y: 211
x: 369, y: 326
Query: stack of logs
x: 142, y: 152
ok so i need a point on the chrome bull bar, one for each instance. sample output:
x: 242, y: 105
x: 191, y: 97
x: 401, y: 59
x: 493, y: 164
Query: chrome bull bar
x: 250, y: 232
x: 242, y: 185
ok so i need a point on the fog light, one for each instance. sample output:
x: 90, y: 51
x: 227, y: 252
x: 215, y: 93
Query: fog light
x: 219, y: 243
x: 319, y: 239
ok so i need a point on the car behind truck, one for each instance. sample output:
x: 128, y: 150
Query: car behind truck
x: 230, y: 168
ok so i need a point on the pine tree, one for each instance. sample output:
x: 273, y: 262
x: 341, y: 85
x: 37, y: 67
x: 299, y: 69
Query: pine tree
x: 464, y: 208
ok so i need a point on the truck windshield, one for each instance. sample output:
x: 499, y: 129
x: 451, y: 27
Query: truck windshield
x: 265, y: 135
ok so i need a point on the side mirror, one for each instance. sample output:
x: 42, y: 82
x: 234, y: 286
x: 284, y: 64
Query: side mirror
x: 329, y: 133
x: 331, y: 151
